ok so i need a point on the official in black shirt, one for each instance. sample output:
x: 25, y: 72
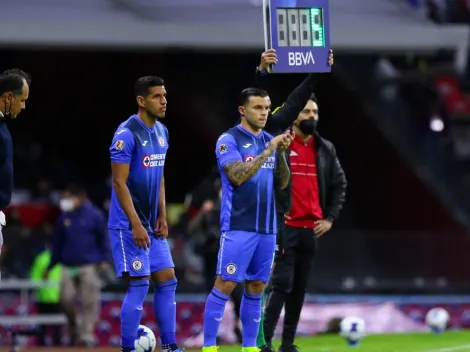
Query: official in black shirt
x: 14, y: 91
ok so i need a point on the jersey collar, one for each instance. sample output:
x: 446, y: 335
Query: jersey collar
x: 248, y: 132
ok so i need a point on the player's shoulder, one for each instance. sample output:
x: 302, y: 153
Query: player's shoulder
x: 125, y: 127
x: 125, y: 130
x: 226, y: 142
x: 227, y: 136
x: 132, y: 125
x: 123, y: 140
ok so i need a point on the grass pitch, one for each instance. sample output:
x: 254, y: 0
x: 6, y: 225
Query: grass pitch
x: 423, y: 342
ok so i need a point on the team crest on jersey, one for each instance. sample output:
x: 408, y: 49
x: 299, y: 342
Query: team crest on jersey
x: 222, y: 148
x: 146, y: 160
x: 231, y: 269
x: 137, y: 265
x: 153, y: 160
x: 161, y: 141
x: 249, y: 158
x: 119, y: 145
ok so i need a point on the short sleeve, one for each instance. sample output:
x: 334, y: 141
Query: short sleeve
x: 122, y: 146
x: 227, y: 150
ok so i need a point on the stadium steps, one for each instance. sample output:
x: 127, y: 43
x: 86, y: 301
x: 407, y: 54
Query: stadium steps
x: 427, y: 160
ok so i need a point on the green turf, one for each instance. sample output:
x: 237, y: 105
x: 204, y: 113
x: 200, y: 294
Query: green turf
x: 458, y: 341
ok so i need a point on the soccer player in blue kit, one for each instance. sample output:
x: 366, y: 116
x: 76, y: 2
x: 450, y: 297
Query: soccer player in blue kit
x: 246, y: 156
x: 137, y: 215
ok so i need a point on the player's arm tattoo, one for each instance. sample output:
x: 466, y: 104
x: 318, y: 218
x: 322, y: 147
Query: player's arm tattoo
x: 283, y: 169
x: 239, y: 172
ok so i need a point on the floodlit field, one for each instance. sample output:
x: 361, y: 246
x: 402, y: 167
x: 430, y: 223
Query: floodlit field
x: 447, y: 342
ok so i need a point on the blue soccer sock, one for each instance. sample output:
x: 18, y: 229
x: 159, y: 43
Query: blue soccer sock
x: 164, y: 306
x: 131, y: 312
x: 250, y: 315
x: 213, y: 313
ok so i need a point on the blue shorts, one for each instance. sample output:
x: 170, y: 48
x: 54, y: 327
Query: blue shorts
x: 134, y: 261
x: 245, y: 256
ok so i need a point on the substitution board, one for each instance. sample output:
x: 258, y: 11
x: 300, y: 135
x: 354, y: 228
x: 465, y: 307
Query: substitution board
x: 299, y: 30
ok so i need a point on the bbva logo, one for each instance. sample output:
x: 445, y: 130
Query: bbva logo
x: 301, y: 59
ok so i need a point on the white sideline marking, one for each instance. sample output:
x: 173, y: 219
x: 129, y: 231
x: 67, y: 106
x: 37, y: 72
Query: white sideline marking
x: 451, y: 349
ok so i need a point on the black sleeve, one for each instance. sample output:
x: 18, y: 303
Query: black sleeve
x: 337, y: 187
x: 261, y: 79
x: 283, y: 117
x: 6, y: 177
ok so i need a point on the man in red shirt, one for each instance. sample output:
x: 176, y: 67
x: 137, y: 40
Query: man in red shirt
x: 318, y: 188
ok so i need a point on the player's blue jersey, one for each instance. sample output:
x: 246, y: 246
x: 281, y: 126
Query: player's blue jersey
x: 251, y: 206
x: 144, y: 149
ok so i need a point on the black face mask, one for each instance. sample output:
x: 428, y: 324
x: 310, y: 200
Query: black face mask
x: 308, y: 126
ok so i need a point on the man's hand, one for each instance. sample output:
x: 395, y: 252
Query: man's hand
x: 323, y: 226
x: 280, y: 142
x: 140, y: 236
x: 289, y: 137
x: 161, y: 227
x: 331, y: 59
x: 269, y: 57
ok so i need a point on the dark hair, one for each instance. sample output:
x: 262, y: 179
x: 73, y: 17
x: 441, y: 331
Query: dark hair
x: 247, y: 93
x: 143, y: 84
x: 313, y: 97
x: 75, y: 190
x: 13, y: 80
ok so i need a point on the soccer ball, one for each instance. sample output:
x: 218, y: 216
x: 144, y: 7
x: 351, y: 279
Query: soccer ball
x: 145, y: 341
x: 353, y: 330
x: 437, y: 319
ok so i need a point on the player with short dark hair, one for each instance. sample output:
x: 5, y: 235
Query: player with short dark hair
x: 14, y: 91
x: 137, y: 215
x: 246, y: 156
x: 247, y: 93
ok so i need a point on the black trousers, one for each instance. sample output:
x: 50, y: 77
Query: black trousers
x: 289, y: 282
x: 49, y: 308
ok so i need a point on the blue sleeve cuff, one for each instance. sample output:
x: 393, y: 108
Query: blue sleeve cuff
x: 261, y: 72
x: 120, y: 160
